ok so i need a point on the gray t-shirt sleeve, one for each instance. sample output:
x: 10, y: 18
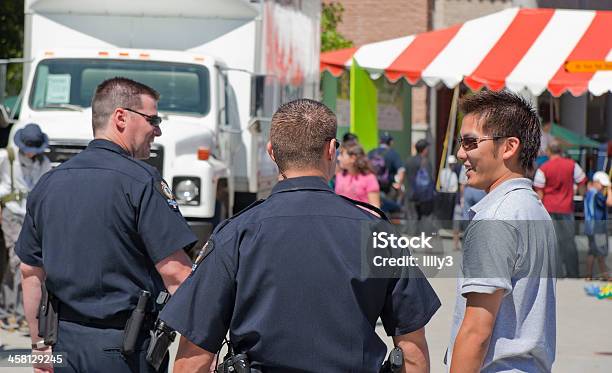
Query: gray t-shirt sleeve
x: 489, y: 258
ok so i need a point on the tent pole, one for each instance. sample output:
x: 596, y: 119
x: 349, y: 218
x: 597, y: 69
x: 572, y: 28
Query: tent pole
x: 551, y: 109
x: 450, y: 134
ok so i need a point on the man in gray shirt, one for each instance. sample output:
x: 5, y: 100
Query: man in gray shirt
x: 504, y: 319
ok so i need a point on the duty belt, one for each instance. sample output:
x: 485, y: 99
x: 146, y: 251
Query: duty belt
x: 115, y: 322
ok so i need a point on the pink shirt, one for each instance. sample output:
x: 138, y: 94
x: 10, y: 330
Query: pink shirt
x: 356, y: 186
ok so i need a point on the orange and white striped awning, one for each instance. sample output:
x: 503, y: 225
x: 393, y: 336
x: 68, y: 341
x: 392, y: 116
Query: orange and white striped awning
x: 515, y: 48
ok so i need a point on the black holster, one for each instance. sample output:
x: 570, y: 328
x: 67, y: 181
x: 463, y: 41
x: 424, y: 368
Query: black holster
x: 48, y: 320
x: 135, y: 323
x: 394, y: 363
x: 161, y: 338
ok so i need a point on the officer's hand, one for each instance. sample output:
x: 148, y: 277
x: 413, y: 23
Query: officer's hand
x: 42, y: 367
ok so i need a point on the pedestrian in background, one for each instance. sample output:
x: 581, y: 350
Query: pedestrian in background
x: 420, y: 187
x: 468, y: 197
x: 357, y: 180
x: 554, y: 182
x: 349, y: 137
x: 447, y: 193
x: 596, y: 202
x: 19, y: 173
x: 545, y: 141
x: 504, y: 317
x: 285, y: 276
x: 386, y: 164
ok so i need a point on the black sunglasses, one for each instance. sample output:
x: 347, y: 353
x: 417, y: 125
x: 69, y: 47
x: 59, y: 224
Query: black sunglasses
x: 154, y: 120
x: 471, y: 143
x: 333, y: 138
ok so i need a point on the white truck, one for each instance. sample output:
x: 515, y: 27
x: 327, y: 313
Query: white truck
x: 221, y: 66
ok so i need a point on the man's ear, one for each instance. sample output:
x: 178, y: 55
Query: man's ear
x: 331, y: 150
x: 270, y: 151
x: 511, y: 147
x: 119, y: 119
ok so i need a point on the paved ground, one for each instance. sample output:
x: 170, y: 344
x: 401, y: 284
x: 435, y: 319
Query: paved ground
x: 584, y: 340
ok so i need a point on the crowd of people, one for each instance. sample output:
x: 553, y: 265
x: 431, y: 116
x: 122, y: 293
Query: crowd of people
x: 383, y: 180
x: 557, y: 180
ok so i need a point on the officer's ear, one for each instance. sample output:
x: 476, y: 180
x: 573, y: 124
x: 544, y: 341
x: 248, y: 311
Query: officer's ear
x: 331, y: 149
x: 270, y: 151
x: 119, y: 119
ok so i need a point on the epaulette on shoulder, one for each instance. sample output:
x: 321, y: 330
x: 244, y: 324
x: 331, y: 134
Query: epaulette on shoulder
x: 228, y: 220
x: 210, y: 245
x: 367, y: 206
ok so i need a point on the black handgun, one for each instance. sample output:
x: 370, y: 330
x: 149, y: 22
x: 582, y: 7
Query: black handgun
x: 134, y: 324
x: 161, y: 338
x: 394, y: 363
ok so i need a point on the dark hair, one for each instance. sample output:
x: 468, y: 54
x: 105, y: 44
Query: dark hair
x: 555, y: 148
x: 362, y: 163
x: 421, y: 145
x: 114, y: 93
x: 507, y: 114
x: 349, y: 137
x: 299, y: 131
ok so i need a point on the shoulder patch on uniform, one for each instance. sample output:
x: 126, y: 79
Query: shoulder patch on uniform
x: 163, y: 188
x: 209, y: 246
x: 166, y: 191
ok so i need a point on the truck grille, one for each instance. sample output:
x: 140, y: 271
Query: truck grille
x: 61, y: 151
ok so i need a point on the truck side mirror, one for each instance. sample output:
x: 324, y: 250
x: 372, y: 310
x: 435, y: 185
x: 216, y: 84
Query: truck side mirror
x: 257, y: 95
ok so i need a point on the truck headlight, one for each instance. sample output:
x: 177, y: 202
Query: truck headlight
x: 187, y: 190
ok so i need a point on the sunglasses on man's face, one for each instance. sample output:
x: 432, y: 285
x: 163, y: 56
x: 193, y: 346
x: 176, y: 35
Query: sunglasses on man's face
x: 470, y: 143
x: 154, y: 120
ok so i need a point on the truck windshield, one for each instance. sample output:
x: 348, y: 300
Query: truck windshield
x: 69, y: 84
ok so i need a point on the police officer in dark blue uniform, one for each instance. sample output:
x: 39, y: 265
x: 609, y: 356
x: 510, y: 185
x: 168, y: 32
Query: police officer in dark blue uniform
x: 284, y: 277
x: 101, y: 228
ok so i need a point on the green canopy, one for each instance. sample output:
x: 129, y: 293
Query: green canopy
x: 574, y: 139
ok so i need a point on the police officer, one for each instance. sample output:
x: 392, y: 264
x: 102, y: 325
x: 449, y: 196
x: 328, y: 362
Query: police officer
x: 99, y: 229
x: 284, y: 276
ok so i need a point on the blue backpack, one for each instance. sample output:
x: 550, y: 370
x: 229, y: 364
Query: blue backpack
x: 422, y: 186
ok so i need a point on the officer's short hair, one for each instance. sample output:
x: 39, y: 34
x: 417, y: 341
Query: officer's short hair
x: 114, y: 93
x: 300, y: 130
x: 507, y: 114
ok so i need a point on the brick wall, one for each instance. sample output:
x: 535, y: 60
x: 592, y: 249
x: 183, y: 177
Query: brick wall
x: 451, y: 12
x: 367, y: 21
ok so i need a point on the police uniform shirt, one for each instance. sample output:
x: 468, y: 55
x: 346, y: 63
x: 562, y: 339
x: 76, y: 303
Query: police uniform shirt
x: 285, y: 278
x: 98, y: 224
